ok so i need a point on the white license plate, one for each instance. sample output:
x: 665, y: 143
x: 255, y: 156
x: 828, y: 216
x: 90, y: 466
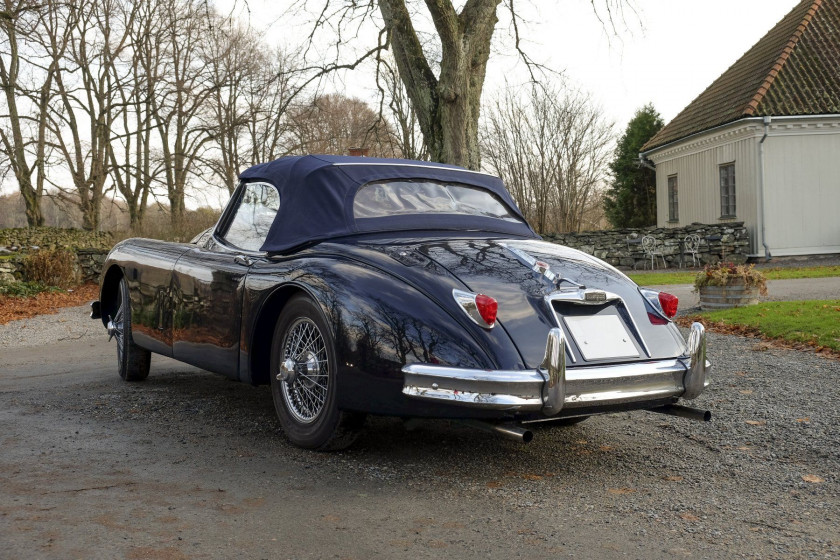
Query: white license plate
x: 599, y: 337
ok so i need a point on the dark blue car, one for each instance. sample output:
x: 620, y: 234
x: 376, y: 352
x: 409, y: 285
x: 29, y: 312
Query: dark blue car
x: 358, y: 286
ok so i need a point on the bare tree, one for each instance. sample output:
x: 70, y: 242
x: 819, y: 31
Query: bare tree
x: 180, y: 87
x: 23, y: 134
x: 395, y: 107
x: 552, y: 151
x: 231, y: 57
x: 445, y: 93
x: 85, y: 88
x: 133, y: 170
x: 331, y: 124
x: 267, y: 100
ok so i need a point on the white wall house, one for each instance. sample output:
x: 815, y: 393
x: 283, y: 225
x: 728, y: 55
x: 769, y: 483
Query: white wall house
x: 761, y: 145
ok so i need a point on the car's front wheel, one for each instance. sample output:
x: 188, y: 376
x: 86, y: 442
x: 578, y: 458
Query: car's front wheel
x: 303, y: 380
x: 132, y: 361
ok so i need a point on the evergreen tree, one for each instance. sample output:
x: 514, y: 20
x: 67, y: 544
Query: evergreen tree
x: 631, y: 199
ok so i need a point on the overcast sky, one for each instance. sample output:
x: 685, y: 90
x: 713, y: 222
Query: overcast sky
x: 666, y: 53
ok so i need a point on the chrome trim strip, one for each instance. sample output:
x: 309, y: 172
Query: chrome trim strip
x: 496, y: 389
x: 440, y: 167
x: 491, y: 401
x: 580, y: 297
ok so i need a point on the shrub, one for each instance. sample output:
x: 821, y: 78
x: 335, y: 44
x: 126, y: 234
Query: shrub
x: 51, y: 267
x: 727, y: 273
x: 25, y: 289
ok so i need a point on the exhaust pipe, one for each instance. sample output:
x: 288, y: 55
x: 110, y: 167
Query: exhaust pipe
x: 683, y: 412
x: 509, y: 431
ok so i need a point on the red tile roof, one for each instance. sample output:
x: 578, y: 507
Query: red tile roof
x: 793, y: 70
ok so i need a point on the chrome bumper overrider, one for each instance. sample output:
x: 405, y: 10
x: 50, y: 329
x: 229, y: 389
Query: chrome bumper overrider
x: 552, y: 388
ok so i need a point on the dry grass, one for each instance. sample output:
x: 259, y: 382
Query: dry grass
x: 51, y: 267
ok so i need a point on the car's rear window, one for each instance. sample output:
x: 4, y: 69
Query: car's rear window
x: 392, y: 198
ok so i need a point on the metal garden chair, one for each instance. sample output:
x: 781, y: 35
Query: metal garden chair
x: 652, y: 249
x: 692, y: 246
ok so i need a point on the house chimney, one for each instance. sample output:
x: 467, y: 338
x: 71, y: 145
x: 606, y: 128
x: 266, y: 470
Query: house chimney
x: 363, y: 152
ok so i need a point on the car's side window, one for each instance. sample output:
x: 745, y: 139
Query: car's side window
x: 254, y: 216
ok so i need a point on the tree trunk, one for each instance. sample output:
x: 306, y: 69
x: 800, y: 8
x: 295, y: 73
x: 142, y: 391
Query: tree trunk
x: 15, y: 147
x: 32, y: 201
x: 448, y: 106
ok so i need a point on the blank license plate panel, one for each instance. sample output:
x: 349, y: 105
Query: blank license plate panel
x: 600, y: 337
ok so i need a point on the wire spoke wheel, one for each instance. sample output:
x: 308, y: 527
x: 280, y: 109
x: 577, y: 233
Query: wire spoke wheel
x: 303, y: 380
x: 306, y: 394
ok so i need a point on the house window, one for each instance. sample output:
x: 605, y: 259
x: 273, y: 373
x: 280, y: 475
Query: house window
x: 727, y: 190
x: 673, y: 200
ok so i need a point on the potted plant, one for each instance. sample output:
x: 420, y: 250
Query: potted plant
x: 725, y: 285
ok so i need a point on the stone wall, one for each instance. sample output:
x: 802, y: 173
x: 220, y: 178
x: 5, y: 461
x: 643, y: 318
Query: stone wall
x: 29, y: 239
x: 91, y: 248
x: 622, y: 247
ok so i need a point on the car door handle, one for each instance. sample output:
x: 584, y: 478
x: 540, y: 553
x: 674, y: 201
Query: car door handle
x: 243, y: 260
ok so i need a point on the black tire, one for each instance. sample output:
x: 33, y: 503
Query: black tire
x: 132, y: 361
x: 306, y: 405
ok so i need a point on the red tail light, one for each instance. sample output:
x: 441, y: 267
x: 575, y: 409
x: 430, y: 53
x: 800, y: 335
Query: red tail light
x: 478, y: 307
x: 669, y: 304
x: 656, y: 319
x: 487, y: 308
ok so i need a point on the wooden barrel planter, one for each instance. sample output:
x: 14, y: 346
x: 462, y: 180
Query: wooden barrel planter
x: 724, y: 297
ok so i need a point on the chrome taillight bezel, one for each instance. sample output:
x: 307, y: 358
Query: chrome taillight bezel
x: 466, y: 300
x: 652, y: 297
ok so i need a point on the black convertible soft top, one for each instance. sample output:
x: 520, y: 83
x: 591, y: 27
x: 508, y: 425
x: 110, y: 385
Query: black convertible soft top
x: 317, y: 192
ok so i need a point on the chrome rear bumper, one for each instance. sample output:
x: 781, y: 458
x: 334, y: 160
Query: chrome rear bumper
x: 552, y: 389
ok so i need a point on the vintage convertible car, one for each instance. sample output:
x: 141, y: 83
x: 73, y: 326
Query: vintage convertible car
x: 395, y: 287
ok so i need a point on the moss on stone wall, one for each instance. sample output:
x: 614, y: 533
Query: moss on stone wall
x: 24, y: 239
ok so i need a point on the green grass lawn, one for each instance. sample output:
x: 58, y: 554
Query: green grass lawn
x: 661, y: 278
x: 815, y: 323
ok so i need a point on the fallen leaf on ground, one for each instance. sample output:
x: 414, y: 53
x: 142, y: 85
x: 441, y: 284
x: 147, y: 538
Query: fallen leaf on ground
x: 806, y: 419
x: 14, y: 308
x: 532, y: 477
x: 813, y: 479
x: 746, y: 392
x: 606, y: 448
x: 673, y: 478
x: 689, y: 517
x: 756, y: 422
x: 620, y: 491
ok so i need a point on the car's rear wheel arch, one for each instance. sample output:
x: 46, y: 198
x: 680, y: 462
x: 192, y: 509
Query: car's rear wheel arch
x: 263, y: 333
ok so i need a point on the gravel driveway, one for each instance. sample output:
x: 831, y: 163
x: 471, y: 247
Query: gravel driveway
x: 189, y: 465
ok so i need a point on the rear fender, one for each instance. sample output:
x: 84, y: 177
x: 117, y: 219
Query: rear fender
x: 379, y: 324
